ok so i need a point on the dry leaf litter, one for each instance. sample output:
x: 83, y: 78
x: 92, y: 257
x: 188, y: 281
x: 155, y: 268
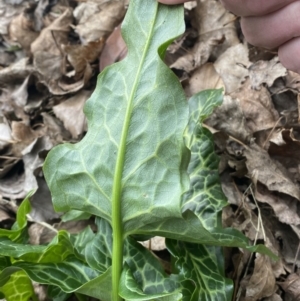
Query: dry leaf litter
x: 50, y: 54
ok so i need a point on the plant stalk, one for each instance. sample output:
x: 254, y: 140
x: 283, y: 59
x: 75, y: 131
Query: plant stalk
x: 117, y: 223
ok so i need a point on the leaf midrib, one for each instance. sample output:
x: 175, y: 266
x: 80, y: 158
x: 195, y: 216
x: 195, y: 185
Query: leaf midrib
x: 117, y: 226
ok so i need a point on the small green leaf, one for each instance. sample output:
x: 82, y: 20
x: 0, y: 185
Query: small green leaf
x: 18, y: 288
x: 59, y: 249
x: 18, y: 230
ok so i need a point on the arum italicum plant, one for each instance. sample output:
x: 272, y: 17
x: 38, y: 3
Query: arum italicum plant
x: 145, y: 167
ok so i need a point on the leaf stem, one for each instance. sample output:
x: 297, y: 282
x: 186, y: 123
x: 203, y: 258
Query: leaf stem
x: 117, y: 225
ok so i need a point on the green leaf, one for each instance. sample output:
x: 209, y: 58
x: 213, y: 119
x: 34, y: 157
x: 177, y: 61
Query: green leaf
x: 205, y: 196
x: 132, y: 153
x: 75, y: 215
x: 57, y: 251
x: 18, y: 288
x: 143, y: 277
x: 202, y: 268
x: 18, y: 230
x: 98, y: 251
x: 56, y: 294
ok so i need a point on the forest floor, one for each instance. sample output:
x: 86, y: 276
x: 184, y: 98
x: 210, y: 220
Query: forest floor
x: 50, y: 54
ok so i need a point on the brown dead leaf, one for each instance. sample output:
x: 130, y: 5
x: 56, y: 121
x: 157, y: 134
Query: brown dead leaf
x: 9, y: 10
x: 114, y: 50
x: 40, y: 11
x: 292, y: 81
x: 266, y: 72
x: 81, y: 55
x: 292, y: 286
x: 41, y: 203
x: 229, y: 118
x: 15, y: 73
x: 232, y: 67
x: 5, y: 135
x: 274, y: 297
x: 156, y: 243
x: 55, y: 129
x: 96, y: 21
x: 21, y: 30
x: 284, y: 147
x: 216, y: 33
x: 257, y: 107
x: 46, y: 49
x: 54, y: 35
x: 285, y: 207
x: 262, y: 282
x: 70, y: 112
x: 197, y: 56
x: 32, y: 164
x: 203, y: 78
x: 210, y: 17
x: 269, y: 172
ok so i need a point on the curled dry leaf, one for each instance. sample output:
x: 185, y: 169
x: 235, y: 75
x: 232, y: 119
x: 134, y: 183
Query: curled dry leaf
x: 156, y: 243
x: 96, y: 21
x: 232, y: 66
x: 70, y: 112
x: 291, y: 286
x: 269, y: 172
x: 257, y: 107
x: 202, y: 78
x: 21, y: 30
x: 199, y: 55
x: 9, y: 10
x: 284, y: 206
x: 47, y: 52
x: 274, y: 297
x: 216, y: 32
x: 114, y: 50
x: 229, y: 118
x: 5, y: 135
x: 80, y: 56
x: 266, y: 72
x: 262, y: 282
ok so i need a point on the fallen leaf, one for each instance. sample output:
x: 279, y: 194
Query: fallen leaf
x: 265, y: 72
x: 257, y: 106
x: 232, y: 67
x: 114, y: 50
x: 70, y: 112
x: 292, y: 286
x: 202, y: 78
x: 229, y: 118
x: 216, y: 33
x: 269, y: 172
x: 262, y: 282
x: 8, y: 10
x: 21, y: 30
x: 78, y: 56
x: 284, y: 206
x: 96, y: 21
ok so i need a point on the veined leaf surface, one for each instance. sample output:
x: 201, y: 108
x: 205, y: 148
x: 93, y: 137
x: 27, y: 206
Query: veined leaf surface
x: 129, y: 165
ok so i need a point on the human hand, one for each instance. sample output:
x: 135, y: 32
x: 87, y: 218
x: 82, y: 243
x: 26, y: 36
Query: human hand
x: 271, y: 24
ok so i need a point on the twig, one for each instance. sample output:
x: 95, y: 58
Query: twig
x: 41, y: 223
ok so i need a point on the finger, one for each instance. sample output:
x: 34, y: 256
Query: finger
x: 172, y: 2
x: 254, y: 7
x: 274, y: 29
x: 289, y: 55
